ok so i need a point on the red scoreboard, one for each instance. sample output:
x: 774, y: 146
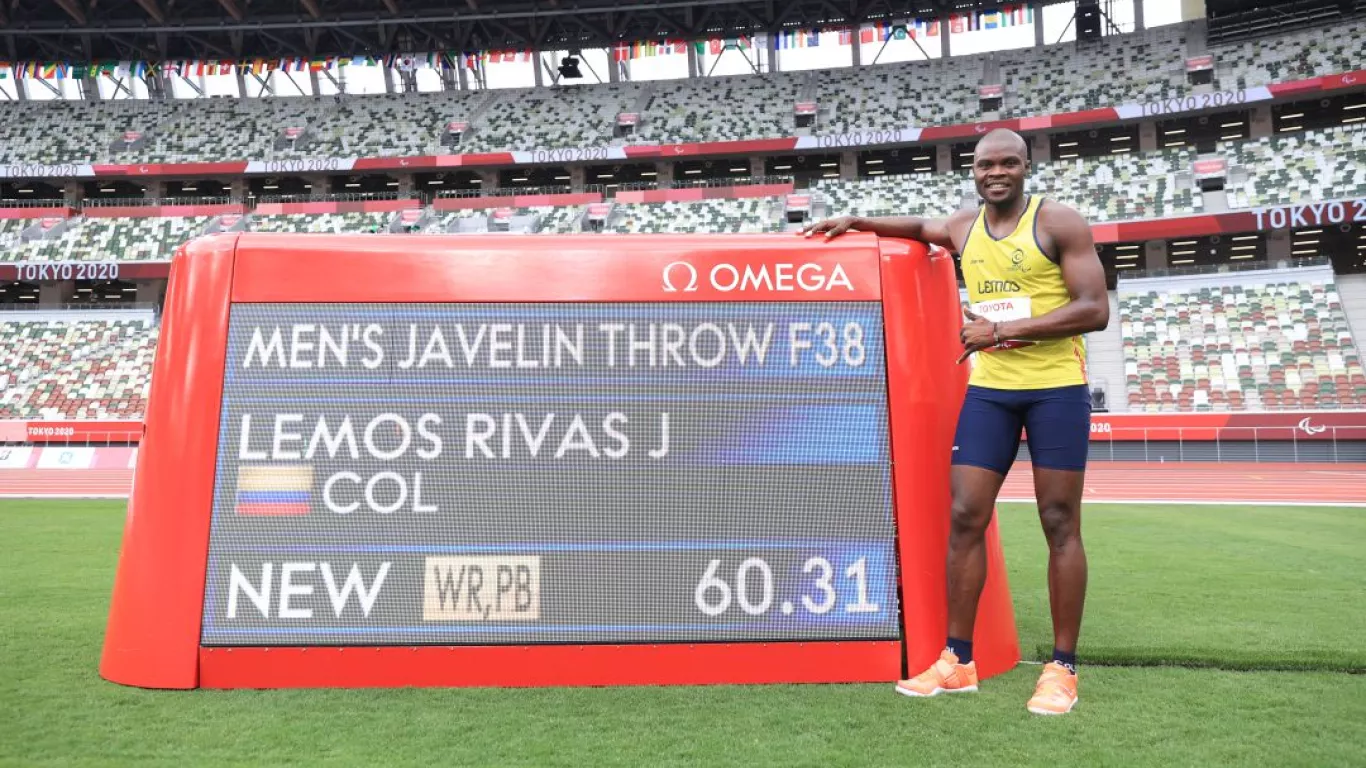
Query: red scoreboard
x: 546, y: 460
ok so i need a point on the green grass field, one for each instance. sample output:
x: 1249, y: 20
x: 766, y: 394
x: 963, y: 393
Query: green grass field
x: 1235, y: 635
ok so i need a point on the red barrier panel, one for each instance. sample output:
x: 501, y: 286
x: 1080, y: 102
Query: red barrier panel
x: 1206, y: 427
x: 153, y: 633
x: 34, y: 213
x: 82, y: 431
x: 765, y: 499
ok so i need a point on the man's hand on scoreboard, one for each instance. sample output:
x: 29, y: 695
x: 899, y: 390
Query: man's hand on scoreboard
x: 831, y: 227
x: 978, y: 334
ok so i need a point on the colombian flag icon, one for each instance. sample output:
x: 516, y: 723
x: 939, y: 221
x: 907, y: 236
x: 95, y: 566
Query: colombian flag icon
x: 274, y: 489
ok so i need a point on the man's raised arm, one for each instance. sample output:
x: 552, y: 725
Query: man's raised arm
x: 933, y: 231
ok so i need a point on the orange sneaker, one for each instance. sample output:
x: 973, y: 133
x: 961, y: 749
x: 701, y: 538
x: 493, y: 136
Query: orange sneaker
x: 945, y: 676
x: 1056, y: 692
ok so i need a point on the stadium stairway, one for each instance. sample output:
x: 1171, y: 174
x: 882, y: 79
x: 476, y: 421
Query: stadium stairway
x: 1352, y: 290
x: 475, y: 116
x: 1105, y: 359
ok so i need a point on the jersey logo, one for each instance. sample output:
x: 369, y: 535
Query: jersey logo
x: 997, y: 286
x: 1017, y: 262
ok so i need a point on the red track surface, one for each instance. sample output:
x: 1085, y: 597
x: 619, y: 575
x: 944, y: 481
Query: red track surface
x: 1210, y: 483
x: 1105, y: 481
x: 58, y: 483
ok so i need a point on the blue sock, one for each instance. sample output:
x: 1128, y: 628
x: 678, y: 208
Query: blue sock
x: 1068, y: 660
x: 961, y: 648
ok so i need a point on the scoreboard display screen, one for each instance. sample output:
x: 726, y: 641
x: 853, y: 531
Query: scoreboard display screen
x: 519, y: 473
x: 482, y: 460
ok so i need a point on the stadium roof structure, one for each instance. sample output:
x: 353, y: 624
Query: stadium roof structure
x: 157, y: 30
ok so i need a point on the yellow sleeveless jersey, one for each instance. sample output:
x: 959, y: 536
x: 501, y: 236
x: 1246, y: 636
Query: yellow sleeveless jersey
x: 1008, y: 279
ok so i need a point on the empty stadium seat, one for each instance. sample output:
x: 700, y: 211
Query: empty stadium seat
x: 1300, y: 167
x: 552, y: 118
x: 226, y: 129
x: 892, y: 96
x: 76, y: 368
x: 549, y: 219
x: 63, y: 131
x: 1295, y: 56
x: 111, y: 239
x: 1119, y: 187
x: 705, y: 216
x: 1076, y: 76
x: 1239, y: 346
x: 918, y: 194
x: 1057, y: 78
x: 360, y: 222
x: 722, y: 108
x: 383, y: 124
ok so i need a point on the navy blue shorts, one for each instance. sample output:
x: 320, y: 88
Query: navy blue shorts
x: 1057, y: 423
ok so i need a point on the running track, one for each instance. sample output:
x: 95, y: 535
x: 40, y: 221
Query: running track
x: 1320, y: 484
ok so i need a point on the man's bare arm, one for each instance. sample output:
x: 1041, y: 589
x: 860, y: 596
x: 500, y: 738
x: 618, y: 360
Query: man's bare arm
x: 1089, y: 309
x: 933, y: 231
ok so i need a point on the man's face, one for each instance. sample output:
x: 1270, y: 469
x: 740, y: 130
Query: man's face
x: 999, y: 169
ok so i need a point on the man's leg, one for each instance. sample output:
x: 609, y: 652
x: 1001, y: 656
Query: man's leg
x: 1058, y: 493
x: 974, y: 499
x: 1059, y: 427
x: 985, y: 445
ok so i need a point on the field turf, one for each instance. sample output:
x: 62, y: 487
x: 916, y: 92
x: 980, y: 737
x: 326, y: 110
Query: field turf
x: 1236, y: 635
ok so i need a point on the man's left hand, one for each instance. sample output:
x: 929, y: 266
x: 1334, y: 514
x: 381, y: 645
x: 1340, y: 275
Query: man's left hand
x: 978, y: 334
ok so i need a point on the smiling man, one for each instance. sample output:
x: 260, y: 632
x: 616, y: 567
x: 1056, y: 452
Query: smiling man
x: 1036, y: 285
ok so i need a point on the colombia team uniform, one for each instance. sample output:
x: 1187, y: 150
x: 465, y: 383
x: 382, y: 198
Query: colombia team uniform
x: 1039, y: 386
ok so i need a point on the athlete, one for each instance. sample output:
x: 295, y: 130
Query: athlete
x: 1036, y: 285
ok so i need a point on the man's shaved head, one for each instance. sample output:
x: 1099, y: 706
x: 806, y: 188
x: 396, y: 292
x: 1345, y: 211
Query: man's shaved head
x: 1003, y: 139
x: 1000, y: 163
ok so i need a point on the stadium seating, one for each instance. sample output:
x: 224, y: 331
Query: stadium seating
x: 1071, y: 77
x: 59, y: 131
x: 1059, y: 78
x: 556, y: 219
x: 891, y: 96
x: 226, y: 129
x: 9, y: 233
x: 1108, y: 188
x: 706, y: 216
x: 1242, y: 346
x: 1300, y: 167
x: 75, y: 369
x: 1119, y: 187
x: 920, y: 194
x: 323, y: 222
x: 390, y: 124
x: 722, y: 108
x: 108, y: 239
x: 1295, y: 56
x: 567, y: 116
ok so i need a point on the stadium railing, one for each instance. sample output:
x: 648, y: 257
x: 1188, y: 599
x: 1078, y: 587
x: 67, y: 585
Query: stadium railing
x: 115, y: 435
x: 149, y: 202
x: 1213, y: 269
x: 133, y: 306
x: 738, y: 181
x: 515, y: 191
x: 44, y: 203
x: 336, y: 197
x: 1287, y: 443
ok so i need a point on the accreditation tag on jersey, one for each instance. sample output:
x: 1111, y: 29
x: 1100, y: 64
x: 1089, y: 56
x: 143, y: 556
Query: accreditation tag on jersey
x: 1003, y: 310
